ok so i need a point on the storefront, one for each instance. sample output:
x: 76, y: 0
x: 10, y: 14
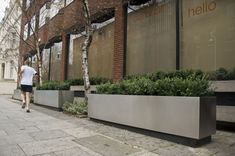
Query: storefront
x: 198, y: 35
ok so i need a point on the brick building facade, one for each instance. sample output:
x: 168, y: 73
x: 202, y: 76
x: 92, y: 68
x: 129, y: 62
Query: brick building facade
x: 69, y: 20
x: 140, y: 36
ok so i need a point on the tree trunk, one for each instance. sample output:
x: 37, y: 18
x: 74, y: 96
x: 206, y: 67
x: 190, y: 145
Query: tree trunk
x: 85, y: 48
x: 39, y: 64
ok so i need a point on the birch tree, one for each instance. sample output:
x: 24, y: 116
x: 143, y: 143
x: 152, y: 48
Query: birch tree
x: 35, y: 42
x: 85, y: 47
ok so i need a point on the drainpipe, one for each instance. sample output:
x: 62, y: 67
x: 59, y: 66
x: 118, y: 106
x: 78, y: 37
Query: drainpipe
x: 177, y: 19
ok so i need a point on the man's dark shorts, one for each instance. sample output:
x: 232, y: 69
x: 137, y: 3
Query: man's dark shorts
x: 26, y: 88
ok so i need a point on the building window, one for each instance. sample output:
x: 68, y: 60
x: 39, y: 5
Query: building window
x: 55, y: 7
x: 13, y: 43
x: 26, y: 29
x: 55, y: 63
x: 67, y: 2
x: 43, y: 15
x: 27, y: 3
x: 32, y: 25
x: 11, y: 68
x: 58, y: 50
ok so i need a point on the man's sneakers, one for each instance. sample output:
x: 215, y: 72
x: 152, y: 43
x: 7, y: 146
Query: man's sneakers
x: 23, y: 105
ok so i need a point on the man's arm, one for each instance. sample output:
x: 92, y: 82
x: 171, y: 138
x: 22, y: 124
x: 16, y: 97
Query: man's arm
x: 21, y: 72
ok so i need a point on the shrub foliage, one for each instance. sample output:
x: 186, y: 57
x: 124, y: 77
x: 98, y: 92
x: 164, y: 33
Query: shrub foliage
x: 53, y: 85
x: 75, y: 108
x: 222, y: 74
x: 179, y: 83
x: 93, y: 81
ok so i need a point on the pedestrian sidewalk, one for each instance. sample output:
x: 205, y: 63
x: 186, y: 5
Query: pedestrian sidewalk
x: 45, y: 132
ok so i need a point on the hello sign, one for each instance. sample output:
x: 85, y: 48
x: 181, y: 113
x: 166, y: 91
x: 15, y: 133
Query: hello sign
x: 205, y: 7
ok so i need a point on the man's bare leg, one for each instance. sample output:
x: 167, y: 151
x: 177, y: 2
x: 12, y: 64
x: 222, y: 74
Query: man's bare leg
x: 27, y: 101
x: 23, y: 96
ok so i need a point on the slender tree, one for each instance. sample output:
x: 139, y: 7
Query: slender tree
x: 85, y: 47
x: 34, y: 42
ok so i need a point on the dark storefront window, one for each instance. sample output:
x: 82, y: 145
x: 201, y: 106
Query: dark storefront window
x: 55, y: 71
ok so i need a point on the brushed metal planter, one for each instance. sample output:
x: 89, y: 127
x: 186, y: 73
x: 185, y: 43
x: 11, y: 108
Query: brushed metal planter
x: 225, y: 92
x: 81, y: 88
x: 53, y: 98
x: 17, y: 94
x: 223, y: 86
x: 190, y: 117
x: 79, y: 92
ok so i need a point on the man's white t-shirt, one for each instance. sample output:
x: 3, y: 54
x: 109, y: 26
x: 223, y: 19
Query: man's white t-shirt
x: 27, y: 75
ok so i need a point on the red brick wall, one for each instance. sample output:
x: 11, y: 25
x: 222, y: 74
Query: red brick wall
x: 71, y: 16
x: 119, y: 43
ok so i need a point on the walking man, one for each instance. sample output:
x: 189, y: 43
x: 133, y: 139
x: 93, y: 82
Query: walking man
x: 26, y: 82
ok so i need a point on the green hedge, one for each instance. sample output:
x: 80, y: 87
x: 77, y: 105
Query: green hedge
x: 53, y: 85
x: 219, y: 74
x: 179, y: 83
x: 76, y: 108
x: 222, y: 74
x: 93, y: 81
x: 184, y: 74
x: 56, y: 85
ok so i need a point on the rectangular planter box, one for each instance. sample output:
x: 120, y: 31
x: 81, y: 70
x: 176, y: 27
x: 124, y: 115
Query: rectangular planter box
x: 190, y: 117
x: 223, y: 86
x: 81, y: 88
x: 17, y: 94
x: 79, y: 92
x: 225, y: 92
x: 53, y: 98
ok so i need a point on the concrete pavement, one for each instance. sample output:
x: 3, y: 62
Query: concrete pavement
x: 46, y: 132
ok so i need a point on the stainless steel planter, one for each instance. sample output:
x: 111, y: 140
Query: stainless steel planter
x: 191, y: 117
x: 17, y: 94
x: 223, y: 86
x: 53, y: 98
x: 81, y: 88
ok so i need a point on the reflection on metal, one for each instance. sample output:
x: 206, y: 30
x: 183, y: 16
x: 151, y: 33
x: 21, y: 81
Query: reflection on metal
x: 52, y: 98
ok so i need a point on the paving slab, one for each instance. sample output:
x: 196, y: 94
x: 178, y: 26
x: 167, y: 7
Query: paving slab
x: 57, y: 125
x: 74, y: 152
x: 12, y: 150
x: 144, y: 153
x: 47, y: 154
x: 15, y: 139
x: 48, y: 146
x: 114, y: 132
x: 46, y: 135
x: 21, y: 130
x: 2, y: 133
x: 230, y: 151
x: 80, y: 132
x: 149, y: 143
x: 106, y: 146
x: 176, y: 150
